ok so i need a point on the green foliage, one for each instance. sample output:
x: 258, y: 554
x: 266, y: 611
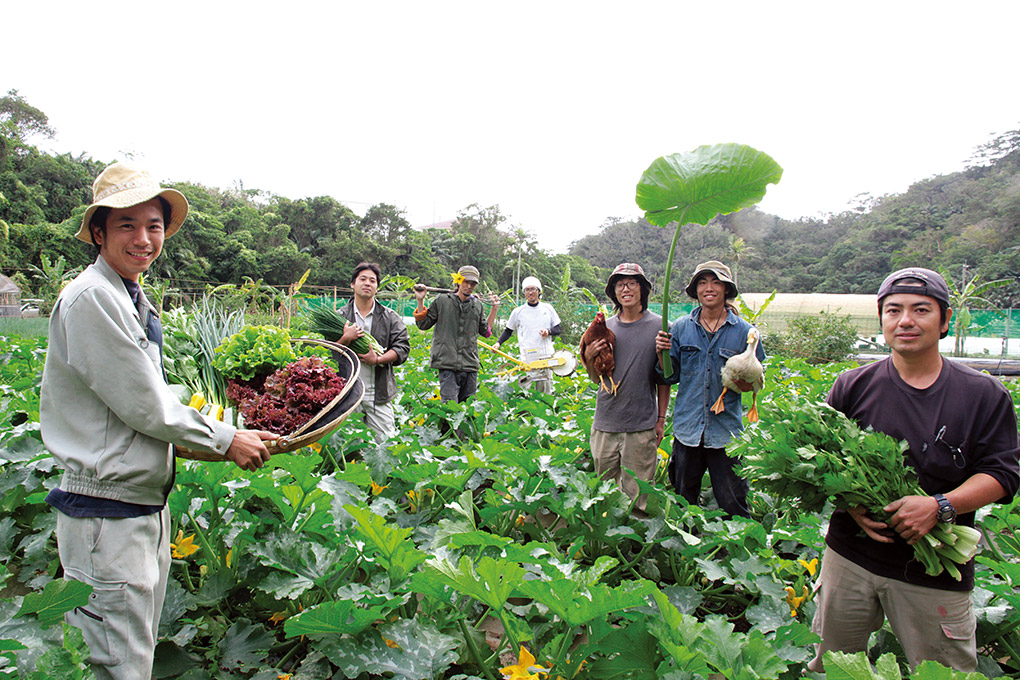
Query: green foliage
x: 820, y: 339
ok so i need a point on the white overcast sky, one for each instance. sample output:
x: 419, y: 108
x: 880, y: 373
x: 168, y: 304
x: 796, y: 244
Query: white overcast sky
x: 552, y: 110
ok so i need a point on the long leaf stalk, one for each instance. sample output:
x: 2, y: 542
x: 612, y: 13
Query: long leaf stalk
x: 473, y: 649
x: 667, y: 365
x: 204, y: 540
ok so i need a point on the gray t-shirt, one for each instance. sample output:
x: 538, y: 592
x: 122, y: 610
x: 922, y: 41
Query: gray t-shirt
x: 634, y: 407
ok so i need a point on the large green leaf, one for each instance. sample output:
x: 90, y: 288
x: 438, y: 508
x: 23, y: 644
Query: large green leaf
x: 244, y: 645
x: 393, y: 549
x: 334, y: 618
x: 694, y: 187
x: 842, y: 666
x: 491, y: 584
x: 57, y: 598
x: 404, y: 649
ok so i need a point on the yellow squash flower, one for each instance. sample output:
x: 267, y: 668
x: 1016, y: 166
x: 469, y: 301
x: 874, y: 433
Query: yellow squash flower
x: 811, y: 566
x: 794, y: 601
x: 524, y: 669
x: 391, y: 644
x: 376, y: 489
x: 277, y: 617
x: 181, y: 547
x: 458, y: 278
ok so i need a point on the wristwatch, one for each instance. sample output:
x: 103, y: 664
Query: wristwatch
x: 946, y: 512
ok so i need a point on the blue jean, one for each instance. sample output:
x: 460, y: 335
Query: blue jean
x: 687, y: 466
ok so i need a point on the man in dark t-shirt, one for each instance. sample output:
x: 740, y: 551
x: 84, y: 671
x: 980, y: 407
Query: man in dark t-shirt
x: 629, y: 421
x: 962, y: 432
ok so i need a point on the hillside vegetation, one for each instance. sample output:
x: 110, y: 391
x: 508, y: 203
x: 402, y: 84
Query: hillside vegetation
x: 966, y: 222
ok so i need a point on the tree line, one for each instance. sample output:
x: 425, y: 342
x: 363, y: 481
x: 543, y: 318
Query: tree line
x: 966, y: 223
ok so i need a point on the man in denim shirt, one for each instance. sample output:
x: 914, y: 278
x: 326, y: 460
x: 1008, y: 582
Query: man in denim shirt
x: 699, y: 345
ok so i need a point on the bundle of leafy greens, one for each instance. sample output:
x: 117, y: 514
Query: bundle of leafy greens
x: 814, y: 453
x: 330, y: 323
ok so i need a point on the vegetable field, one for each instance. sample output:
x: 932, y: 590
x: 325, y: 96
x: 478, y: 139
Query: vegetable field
x: 479, y: 544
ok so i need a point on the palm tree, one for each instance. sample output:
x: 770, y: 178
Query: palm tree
x: 739, y: 250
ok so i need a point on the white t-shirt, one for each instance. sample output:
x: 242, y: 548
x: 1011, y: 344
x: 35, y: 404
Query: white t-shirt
x: 527, y: 321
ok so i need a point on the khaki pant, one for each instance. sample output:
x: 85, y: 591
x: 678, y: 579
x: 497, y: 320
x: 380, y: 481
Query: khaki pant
x: 636, y: 451
x: 379, y: 418
x: 126, y: 560
x: 929, y: 623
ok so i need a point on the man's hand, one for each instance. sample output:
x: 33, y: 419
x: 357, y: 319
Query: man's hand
x: 369, y: 358
x: 247, y: 449
x: 351, y: 333
x: 544, y: 332
x: 663, y: 340
x: 419, y: 292
x: 913, y: 516
x: 878, y: 531
x: 592, y: 350
x: 493, y: 299
x: 660, y: 430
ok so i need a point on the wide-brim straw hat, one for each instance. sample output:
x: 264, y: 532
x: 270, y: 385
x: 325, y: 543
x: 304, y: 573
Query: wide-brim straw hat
x: 721, y: 271
x: 122, y: 185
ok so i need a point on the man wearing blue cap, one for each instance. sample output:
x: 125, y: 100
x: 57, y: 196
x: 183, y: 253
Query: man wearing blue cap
x: 962, y: 433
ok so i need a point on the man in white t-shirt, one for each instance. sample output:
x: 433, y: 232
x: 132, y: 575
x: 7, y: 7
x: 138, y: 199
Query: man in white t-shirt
x: 536, y: 323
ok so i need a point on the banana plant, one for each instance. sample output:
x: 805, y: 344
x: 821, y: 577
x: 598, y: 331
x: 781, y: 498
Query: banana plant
x: 694, y: 187
x: 961, y: 297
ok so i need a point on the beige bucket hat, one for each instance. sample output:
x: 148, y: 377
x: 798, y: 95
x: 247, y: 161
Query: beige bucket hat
x: 469, y: 273
x: 122, y: 185
x: 721, y: 271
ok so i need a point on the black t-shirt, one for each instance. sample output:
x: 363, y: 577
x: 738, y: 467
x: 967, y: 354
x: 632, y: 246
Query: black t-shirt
x: 974, y: 414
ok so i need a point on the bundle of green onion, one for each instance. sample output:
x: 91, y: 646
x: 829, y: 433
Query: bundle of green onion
x: 324, y: 319
x: 814, y: 453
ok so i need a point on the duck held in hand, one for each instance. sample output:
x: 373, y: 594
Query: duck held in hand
x: 743, y: 367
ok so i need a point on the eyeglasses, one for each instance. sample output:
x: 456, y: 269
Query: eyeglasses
x: 959, y: 460
x: 623, y: 285
x: 531, y: 290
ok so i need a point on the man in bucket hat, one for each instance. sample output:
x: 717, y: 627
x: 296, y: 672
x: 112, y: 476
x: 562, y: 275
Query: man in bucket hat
x: 961, y: 429
x: 536, y: 323
x: 109, y: 419
x: 459, y: 318
x: 629, y: 422
x: 699, y: 345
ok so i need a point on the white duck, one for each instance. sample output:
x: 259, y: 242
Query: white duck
x: 744, y: 366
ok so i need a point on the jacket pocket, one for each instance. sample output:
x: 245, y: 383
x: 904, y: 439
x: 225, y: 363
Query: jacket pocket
x: 102, y: 620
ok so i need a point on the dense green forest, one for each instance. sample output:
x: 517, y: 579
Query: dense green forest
x: 967, y: 223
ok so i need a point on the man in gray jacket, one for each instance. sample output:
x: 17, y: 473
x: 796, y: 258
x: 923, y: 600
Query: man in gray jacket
x: 382, y: 323
x: 109, y: 419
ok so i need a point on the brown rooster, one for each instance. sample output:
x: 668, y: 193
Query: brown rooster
x: 604, y: 363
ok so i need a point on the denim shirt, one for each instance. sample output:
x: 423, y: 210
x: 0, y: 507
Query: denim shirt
x: 697, y: 366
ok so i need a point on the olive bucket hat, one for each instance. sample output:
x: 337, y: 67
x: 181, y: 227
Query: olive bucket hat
x: 122, y: 185
x: 721, y: 271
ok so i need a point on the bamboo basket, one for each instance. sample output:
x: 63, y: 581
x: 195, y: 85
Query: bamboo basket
x: 322, y: 424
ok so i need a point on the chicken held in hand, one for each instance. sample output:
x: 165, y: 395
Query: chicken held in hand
x: 596, y: 351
